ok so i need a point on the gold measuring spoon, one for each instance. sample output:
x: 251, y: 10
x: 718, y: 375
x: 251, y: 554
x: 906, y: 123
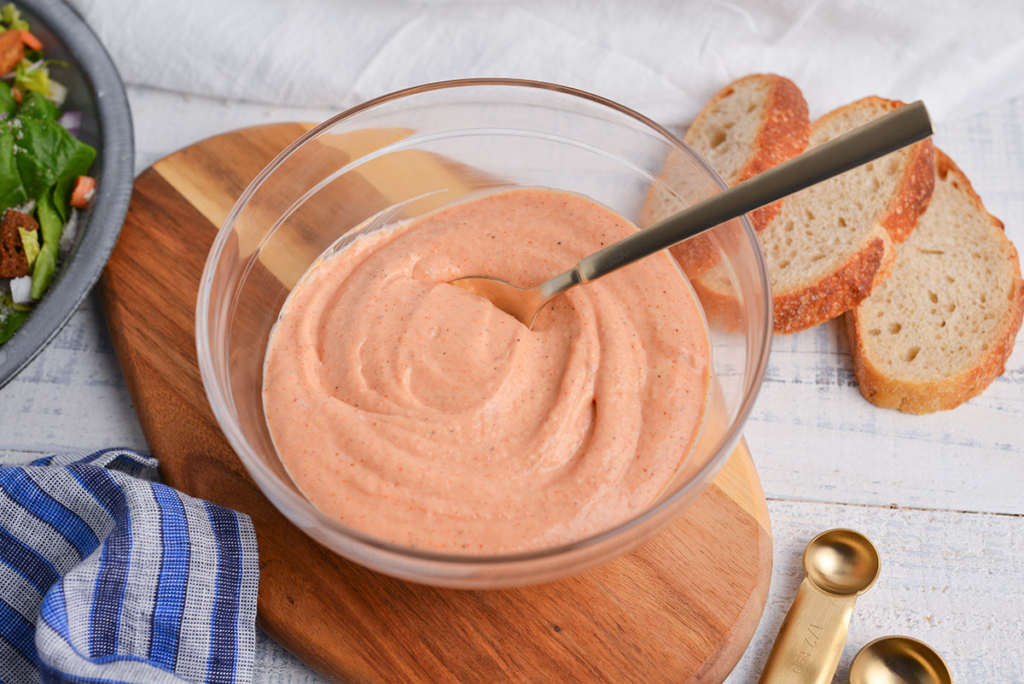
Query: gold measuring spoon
x: 900, y: 128
x: 899, y: 660
x: 840, y: 566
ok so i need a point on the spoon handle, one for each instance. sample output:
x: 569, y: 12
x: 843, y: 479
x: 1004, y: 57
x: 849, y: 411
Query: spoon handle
x: 811, y: 638
x: 900, y: 128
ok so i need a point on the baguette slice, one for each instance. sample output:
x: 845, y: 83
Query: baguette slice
x: 749, y: 126
x: 941, y: 328
x: 831, y: 244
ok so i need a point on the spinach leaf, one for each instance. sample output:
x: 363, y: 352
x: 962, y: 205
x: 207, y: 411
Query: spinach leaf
x: 36, y: 175
x: 7, y: 102
x: 78, y: 165
x: 51, y: 156
x: 11, y: 324
x: 12, y: 192
x: 38, y: 106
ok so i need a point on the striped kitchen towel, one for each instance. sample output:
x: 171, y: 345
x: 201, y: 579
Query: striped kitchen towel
x: 106, y: 576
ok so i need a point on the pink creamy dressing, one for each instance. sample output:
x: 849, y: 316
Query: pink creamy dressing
x: 417, y: 412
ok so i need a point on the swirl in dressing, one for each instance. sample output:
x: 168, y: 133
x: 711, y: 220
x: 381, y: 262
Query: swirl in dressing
x: 417, y: 412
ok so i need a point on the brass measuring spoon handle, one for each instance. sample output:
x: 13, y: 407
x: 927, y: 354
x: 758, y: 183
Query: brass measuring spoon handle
x: 811, y: 638
x: 840, y: 565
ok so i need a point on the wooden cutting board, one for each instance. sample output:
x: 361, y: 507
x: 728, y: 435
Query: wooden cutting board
x: 681, y: 608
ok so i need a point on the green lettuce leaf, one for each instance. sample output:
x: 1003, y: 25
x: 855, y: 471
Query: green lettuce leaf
x: 12, y: 192
x: 30, y: 243
x: 50, y: 226
x: 33, y: 77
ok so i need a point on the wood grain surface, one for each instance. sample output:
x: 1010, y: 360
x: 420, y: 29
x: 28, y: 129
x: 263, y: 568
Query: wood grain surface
x: 681, y: 608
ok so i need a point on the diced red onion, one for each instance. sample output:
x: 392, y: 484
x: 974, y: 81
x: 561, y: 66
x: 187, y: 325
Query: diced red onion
x: 71, y: 121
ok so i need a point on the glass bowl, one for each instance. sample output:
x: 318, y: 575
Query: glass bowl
x: 407, y: 153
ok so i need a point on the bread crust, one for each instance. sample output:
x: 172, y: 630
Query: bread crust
x: 852, y: 283
x: 840, y: 291
x: 947, y: 393
x: 783, y: 134
x: 917, y: 183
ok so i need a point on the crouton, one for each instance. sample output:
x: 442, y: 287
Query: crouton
x: 13, y: 261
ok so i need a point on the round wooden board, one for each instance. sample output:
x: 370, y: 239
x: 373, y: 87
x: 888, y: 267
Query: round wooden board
x: 681, y: 608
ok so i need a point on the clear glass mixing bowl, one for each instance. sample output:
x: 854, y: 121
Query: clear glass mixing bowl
x: 407, y: 153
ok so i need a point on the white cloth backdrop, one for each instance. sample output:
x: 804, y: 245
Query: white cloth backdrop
x: 663, y: 58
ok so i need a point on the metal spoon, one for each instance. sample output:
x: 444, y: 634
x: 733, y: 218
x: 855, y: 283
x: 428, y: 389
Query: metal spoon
x: 840, y: 566
x: 899, y: 660
x: 900, y: 128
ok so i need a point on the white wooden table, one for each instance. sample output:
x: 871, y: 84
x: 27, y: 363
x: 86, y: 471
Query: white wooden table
x: 942, y: 496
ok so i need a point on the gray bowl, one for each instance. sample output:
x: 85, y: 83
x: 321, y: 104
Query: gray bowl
x: 95, y: 89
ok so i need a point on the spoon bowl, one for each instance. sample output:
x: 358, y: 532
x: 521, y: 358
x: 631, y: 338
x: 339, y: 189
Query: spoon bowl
x: 840, y: 566
x: 899, y: 660
x: 521, y: 303
x: 841, y: 562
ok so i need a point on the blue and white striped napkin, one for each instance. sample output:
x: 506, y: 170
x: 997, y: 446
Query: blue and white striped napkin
x: 106, y: 576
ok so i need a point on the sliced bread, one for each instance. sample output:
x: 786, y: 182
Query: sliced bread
x: 832, y: 244
x: 940, y: 329
x: 749, y: 126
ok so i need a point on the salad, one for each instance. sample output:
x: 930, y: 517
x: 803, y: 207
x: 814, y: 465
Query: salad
x: 44, y: 168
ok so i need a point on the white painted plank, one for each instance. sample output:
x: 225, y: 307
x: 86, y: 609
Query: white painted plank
x: 166, y: 122
x: 814, y: 437
x: 72, y: 396
x: 12, y: 457
x: 953, y: 580
x: 273, y: 664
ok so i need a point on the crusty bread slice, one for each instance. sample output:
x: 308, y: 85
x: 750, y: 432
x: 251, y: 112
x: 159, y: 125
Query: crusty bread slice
x: 750, y: 126
x: 747, y: 127
x: 940, y: 329
x: 831, y: 244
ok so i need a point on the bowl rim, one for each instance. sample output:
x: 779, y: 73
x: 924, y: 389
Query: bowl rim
x: 265, y: 478
x: 116, y: 173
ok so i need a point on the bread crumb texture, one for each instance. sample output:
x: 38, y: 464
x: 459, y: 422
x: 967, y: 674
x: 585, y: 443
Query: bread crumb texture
x: 940, y: 329
x: 833, y: 243
x: 727, y: 128
x: 748, y: 127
